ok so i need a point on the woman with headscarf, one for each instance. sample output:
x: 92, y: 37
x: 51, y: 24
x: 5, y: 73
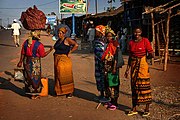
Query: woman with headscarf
x: 99, y: 46
x: 64, y: 46
x: 140, y: 78
x: 111, y: 70
x: 31, y: 53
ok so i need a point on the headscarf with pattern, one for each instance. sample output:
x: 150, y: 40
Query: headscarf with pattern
x: 101, y: 29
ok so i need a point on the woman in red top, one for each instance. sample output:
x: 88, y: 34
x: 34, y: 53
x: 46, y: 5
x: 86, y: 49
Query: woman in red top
x: 140, y: 78
x: 31, y: 54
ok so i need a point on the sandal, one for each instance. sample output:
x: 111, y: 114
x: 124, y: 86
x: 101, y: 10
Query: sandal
x: 107, y: 104
x: 111, y: 107
x: 145, y: 114
x: 69, y: 95
x: 130, y: 113
x: 35, y: 97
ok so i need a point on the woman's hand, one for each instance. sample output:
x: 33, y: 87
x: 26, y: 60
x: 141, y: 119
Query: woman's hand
x: 19, y: 64
x: 69, y: 55
x: 126, y: 74
x: 51, y: 48
x: 114, y: 71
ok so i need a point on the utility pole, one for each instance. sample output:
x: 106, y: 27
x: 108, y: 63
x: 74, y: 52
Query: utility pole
x: 96, y: 6
x: 111, y: 5
x: 1, y: 22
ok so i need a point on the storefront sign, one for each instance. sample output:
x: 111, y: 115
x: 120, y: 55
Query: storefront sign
x: 72, y: 6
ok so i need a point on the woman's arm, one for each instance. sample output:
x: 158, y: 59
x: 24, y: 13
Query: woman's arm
x: 127, y: 68
x: 149, y: 49
x: 42, y: 52
x: 114, y: 67
x: 73, y: 43
x: 20, y: 61
x: 47, y: 52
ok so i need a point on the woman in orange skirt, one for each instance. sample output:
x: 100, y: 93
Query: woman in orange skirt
x: 140, y: 78
x: 64, y: 46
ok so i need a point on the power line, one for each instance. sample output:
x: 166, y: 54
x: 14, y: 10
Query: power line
x: 36, y: 5
x: 48, y: 3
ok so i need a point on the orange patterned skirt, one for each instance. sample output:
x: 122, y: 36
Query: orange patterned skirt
x: 140, y: 81
x: 64, y: 83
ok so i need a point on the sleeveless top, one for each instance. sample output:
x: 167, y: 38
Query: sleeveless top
x: 61, y: 48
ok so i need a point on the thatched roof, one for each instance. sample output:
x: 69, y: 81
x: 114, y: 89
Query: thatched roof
x: 107, y: 14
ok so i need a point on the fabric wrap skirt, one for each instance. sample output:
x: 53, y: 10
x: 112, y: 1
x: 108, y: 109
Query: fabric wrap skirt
x: 140, y: 81
x: 32, y: 74
x: 64, y: 83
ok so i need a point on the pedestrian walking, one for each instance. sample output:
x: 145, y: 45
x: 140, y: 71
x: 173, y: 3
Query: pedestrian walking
x: 91, y: 36
x: 48, y: 29
x: 16, y: 32
x: 140, y: 79
x: 31, y: 53
x: 64, y: 46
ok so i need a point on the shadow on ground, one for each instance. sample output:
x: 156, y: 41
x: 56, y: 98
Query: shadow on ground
x: 7, y: 45
x: 7, y: 85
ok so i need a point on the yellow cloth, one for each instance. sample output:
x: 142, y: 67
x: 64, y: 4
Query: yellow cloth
x: 64, y: 83
x: 143, y: 68
x: 140, y: 81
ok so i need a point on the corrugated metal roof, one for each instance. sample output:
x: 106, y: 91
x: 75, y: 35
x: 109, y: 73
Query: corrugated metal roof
x: 107, y: 14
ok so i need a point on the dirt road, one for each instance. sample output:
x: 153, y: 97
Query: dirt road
x: 14, y: 105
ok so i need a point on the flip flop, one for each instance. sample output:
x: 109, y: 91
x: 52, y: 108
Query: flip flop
x: 130, y: 113
x: 35, y: 97
x: 111, y: 107
x: 145, y: 114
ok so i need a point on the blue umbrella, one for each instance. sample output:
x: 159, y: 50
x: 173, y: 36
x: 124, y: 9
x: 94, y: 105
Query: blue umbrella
x: 68, y: 33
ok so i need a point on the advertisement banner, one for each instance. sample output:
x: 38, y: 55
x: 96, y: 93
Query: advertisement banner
x: 51, y: 19
x: 72, y: 6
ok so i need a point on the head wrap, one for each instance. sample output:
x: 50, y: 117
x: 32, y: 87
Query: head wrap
x: 101, y: 29
x: 109, y: 30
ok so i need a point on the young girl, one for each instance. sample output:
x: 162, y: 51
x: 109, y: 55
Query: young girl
x: 111, y: 71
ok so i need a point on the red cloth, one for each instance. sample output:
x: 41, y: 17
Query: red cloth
x: 33, y: 19
x: 39, y: 53
x: 111, y: 47
x: 139, y: 49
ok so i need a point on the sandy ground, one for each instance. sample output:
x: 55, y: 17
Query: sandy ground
x: 15, y: 105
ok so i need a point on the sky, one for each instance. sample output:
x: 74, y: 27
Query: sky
x: 12, y: 9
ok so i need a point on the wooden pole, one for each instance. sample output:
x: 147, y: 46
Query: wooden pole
x: 158, y: 42
x: 164, y: 36
x: 167, y: 41
x: 153, y: 33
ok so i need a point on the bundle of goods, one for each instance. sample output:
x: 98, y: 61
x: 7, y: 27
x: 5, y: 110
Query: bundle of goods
x: 33, y: 19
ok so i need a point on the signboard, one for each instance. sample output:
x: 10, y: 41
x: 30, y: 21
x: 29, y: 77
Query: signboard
x: 72, y: 6
x: 51, y: 19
